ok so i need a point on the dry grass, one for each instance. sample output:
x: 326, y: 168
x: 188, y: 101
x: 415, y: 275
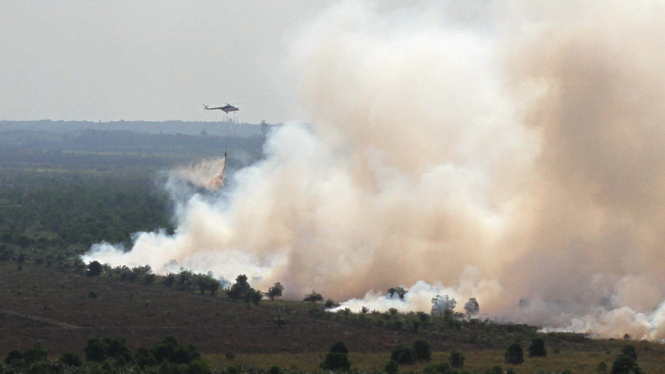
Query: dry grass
x: 577, y: 362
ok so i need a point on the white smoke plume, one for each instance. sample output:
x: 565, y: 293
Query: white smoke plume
x: 500, y: 150
x: 208, y: 174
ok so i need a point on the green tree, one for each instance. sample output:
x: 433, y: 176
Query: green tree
x: 514, y: 354
x: 472, y: 307
x: 392, y: 367
x: 630, y: 351
x: 94, y: 269
x: 456, y: 359
x: 423, y: 350
x: 275, y: 292
x: 95, y: 351
x: 404, y: 355
x: 14, y: 358
x: 625, y: 364
x: 313, y: 297
x: 337, y: 358
x: 601, y: 368
x: 440, y: 368
x: 70, y: 359
x: 537, y: 347
x: 198, y: 367
x: 339, y: 347
x: 34, y: 354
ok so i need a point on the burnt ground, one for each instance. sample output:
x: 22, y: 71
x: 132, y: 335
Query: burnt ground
x: 53, y: 307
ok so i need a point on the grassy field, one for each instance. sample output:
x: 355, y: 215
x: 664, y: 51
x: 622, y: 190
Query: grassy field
x: 650, y: 360
x: 54, y: 307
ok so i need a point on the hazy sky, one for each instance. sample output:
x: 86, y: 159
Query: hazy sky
x: 112, y: 60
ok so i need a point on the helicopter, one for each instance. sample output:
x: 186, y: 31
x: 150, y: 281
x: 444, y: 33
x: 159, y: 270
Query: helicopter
x: 226, y: 108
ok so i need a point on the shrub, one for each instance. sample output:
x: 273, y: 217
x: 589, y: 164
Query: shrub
x: 198, y: 367
x: 423, y: 350
x: 440, y: 368
x: 92, y: 294
x: 514, y: 354
x: 471, y: 307
x: 601, y: 368
x: 241, y: 290
x: 274, y: 370
x: 313, y: 297
x: 280, y: 321
x: 337, y: 358
x: 233, y: 370
x: 329, y: 304
x: 169, y: 350
x: 404, y: 355
x: 496, y: 370
x: 537, y: 348
x: 629, y: 350
x: 336, y: 361
x: 625, y: 364
x: 95, y: 350
x: 71, y: 359
x: 339, y: 347
x: 169, y: 280
x: 143, y: 358
x: 35, y: 354
x: 230, y: 355
x: 392, y: 367
x: 275, y: 292
x: 14, y: 357
x: 456, y: 359
x: 94, y: 269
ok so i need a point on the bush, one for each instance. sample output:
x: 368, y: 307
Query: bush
x: 629, y: 350
x: 94, y: 269
x: 440, y: 368
x: 71, y: 359
x: 337, y: 358
x: 423, y: 350
x: 601, y: 368
x: 143, y: 358
x: 496, y: 370
x: 336, y: 361
x: 14, y: 357
x: 456, y: 359
x: 514, y: 354
x: 404, y: 355
x: 313, y: 297
x: 241, y: 290
x: 339, y: 347
x: 95, y: 350
x: 169, y: 350
x: 274, y: 370
x: 625, y: 364
x: 198, y: 367
x: 392, y: 367
x: 92, y: 294
x: 537, y: 348
x: 98, y: 350
x: 35, y: 354
x: 275, y: 292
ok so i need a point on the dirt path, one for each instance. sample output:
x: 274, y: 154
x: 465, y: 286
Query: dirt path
x: 47, y: 321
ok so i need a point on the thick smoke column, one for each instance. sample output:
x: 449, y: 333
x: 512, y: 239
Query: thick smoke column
x: 498, y: 151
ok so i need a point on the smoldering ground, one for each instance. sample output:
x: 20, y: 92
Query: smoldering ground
x: 502, y: 151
